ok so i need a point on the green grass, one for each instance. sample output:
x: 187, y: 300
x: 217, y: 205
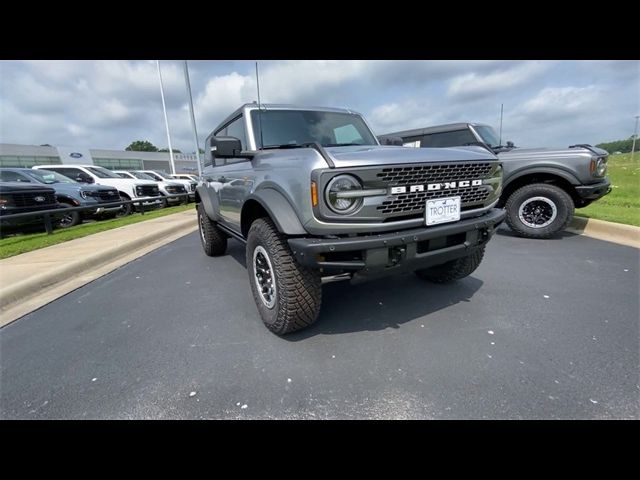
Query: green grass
x: 622, y: 205
x: 18, y: 244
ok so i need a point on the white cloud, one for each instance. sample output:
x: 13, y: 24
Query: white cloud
x: 474, y: 85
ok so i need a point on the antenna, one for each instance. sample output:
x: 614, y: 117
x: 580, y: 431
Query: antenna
x: 500, y: 140
x: 259, y: 107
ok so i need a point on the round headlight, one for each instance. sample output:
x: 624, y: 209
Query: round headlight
x: 343, y: 204
x: 601, y: 167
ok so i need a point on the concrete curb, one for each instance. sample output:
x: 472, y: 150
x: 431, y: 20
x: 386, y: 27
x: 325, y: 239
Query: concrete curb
x: 17, y: 292
x: 609, y: 231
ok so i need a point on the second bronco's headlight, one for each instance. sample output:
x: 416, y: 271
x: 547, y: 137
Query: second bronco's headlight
x: 335, y: 198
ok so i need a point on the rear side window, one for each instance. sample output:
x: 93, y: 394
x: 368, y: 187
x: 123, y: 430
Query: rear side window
x: 456, y: 138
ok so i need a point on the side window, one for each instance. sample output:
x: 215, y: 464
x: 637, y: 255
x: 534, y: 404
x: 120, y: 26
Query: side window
x: 415, y: 142
x: 7, y: 176
x: 236, y: 129
x: 448, y: 139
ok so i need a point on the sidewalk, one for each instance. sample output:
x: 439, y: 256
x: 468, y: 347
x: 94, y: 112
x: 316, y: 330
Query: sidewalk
x: 33, y: 279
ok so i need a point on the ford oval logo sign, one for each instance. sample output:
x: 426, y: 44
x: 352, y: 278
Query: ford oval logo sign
x: 75, y: 155
x: 39, y: 199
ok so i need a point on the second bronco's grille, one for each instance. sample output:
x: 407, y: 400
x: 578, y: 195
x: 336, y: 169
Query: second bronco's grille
x: 435, y: 173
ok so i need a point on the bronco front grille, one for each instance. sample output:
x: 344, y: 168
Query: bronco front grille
x: 414, y: 203
x: 435, y: 173
x: 106, y: 196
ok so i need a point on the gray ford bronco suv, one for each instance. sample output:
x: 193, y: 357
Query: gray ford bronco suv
x: 541, y: 186
x: 313, y: 194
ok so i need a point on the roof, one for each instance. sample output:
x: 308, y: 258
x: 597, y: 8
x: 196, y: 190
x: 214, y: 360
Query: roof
x: 434, y: 129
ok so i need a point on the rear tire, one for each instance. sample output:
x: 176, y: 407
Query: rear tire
x: 454, y: 269
x: 214, y: 240
x: 539, y: 210
x: 287, y: 294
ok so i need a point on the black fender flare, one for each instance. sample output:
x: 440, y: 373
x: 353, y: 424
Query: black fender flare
x: 209, y: 202
x: 569, y: 177
x: 279, y: 209
x: 62, y: 198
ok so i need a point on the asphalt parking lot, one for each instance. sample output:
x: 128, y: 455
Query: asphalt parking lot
x: 543, y: 329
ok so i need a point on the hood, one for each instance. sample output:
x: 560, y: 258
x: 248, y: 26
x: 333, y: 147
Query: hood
x: 18, y: 187
x: 356, y: 156
x: 549, y: 152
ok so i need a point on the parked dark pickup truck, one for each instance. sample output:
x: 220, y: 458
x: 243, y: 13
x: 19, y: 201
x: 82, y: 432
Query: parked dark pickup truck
x: 19, y: 198
x: 541, y: 186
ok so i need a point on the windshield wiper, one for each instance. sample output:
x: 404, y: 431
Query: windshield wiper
x: 286, y: 145
x: 342, y: 144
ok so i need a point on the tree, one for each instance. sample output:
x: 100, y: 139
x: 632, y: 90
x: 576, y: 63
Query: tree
x: 623, y: 146
x: 175, y: 150
x: 142, y: 146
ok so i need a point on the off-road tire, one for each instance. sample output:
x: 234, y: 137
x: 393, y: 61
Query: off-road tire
x: 298, y: 289
x: 562, y: 200
x: 214, y: 240
x: 454, y: 269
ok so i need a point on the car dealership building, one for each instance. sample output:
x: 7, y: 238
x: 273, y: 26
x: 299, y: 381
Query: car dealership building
x: 13, y: 155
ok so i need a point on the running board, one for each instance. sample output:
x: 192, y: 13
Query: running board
x: 231, y: 233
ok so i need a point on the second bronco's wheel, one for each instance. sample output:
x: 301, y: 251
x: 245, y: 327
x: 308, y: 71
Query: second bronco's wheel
x: 454, y: 269
x: 287, y: 294
x: 539, y: 210
x: 214, y: 240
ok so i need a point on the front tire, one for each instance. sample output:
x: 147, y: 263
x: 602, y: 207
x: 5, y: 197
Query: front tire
x: 453, y: 270
x: 70, y: 219
x: 126, y: 209
x: 539, y: 210
x: 214, y: 240
x: 287, y: 294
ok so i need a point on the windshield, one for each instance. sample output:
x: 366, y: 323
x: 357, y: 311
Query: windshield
x: 291, y: 127
x: 49, y: 177
x: 488, y: 135
x: 101, y: 172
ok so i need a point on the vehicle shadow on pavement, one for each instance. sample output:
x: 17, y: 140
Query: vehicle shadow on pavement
x: 384, y: 303
x: 378, y: 304
x: 505, y: 231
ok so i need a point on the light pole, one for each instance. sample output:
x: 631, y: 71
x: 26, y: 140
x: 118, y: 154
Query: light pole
x: 166, y: 119
x: 193, y: 117
x: 635, y: 134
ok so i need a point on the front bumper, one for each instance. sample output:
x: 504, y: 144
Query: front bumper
x: 389, y: 253
x: 594, y: 191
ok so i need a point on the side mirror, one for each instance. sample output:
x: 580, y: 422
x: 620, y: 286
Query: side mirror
x: 397, y: 141
x: 225, y: 147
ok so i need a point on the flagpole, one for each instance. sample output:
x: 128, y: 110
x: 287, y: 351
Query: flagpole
x: 193, y: 117
x: 166, y: 119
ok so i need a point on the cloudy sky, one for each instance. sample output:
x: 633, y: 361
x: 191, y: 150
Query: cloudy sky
x: 108, y: 104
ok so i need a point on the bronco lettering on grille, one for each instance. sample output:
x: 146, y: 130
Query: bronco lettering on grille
x: 435, y: 186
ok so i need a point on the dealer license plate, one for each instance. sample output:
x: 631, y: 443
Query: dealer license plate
x: 442, y: 210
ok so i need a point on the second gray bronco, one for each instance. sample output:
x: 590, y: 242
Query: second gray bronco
x: 313, y: 194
